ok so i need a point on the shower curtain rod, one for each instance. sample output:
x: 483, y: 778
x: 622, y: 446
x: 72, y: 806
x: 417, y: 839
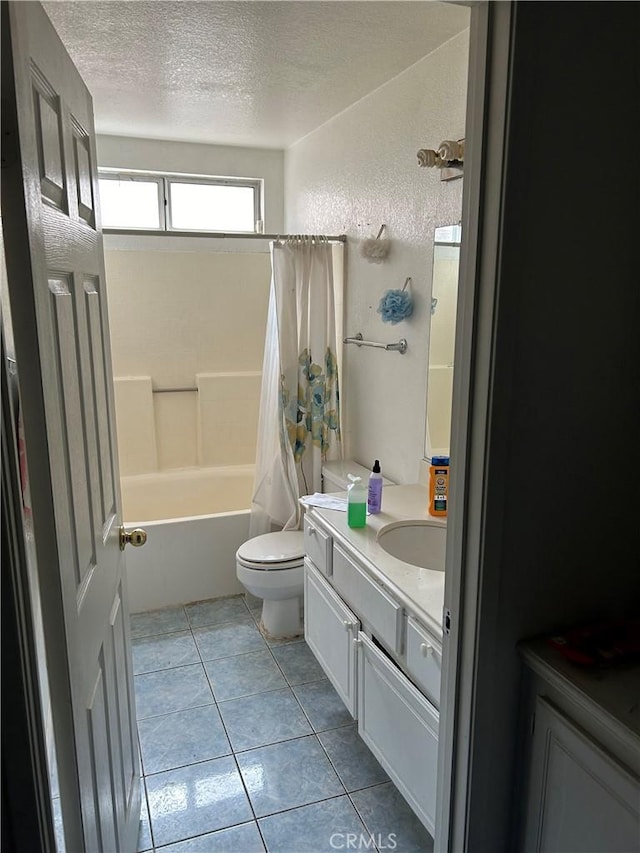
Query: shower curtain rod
x: 334, y: 238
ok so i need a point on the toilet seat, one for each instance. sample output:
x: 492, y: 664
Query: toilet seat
x: 272, y: 551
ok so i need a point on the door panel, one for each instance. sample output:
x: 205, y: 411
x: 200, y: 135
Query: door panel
x: 58, y: 305
x: 48, y: 130
x: 98, y: 719
x: 101, y: 382
x: 68, y: 389
x: 83, y: 172
x: 121, y: 733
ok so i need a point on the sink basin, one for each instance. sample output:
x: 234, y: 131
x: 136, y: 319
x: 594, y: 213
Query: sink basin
x: 420, y: 543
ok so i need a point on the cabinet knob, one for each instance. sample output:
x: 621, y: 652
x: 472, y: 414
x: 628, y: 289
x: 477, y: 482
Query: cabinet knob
x: 349, y: 626
x: 426, y: 649
x: 357, y: 642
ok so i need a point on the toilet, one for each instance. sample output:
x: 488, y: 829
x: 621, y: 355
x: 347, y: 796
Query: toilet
x: 271, y: 566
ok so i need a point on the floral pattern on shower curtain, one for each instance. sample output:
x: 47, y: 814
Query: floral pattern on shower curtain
x: 299, y: 422
x: 313, y: 415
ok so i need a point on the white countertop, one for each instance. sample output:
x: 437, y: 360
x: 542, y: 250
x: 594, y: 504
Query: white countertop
x: 615, y: 690
x: 420, y: 591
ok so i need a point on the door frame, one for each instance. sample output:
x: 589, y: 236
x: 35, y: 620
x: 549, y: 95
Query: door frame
x: 467, y: 582
x: 27, y: 820
x: 470, y: 580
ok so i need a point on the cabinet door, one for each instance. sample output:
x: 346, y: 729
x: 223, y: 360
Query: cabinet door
x: 400, y: 727
x: 330, y: 629
x: 580, y: 799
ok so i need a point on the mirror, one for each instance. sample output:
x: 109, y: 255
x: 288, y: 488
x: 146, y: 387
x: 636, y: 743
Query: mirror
x: 444, y: 299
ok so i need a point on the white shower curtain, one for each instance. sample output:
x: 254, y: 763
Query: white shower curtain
x: 299, y: 421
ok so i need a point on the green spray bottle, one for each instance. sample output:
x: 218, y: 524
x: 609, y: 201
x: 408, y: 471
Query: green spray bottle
x: 356, y: 502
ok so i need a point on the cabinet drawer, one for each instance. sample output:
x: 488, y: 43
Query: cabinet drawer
x: 424, y: 660
x: 400, y: 727
x: 330, y: 629
x: 381, y: 613
x: 318, y: 546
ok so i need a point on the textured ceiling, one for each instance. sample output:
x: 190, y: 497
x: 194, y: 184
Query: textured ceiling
x: 241, y: 73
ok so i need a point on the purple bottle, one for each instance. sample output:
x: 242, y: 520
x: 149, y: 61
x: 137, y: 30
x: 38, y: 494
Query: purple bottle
x: 374, y: 497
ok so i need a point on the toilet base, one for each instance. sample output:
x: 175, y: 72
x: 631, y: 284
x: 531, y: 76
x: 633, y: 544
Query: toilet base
x: 281, y: 619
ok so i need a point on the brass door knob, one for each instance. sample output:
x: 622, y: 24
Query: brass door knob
x: 136, y: 537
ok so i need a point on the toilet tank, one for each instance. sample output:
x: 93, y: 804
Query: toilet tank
x: 335, y: 479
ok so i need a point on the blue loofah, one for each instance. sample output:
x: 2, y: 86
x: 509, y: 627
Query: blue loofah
x: 395, y: 305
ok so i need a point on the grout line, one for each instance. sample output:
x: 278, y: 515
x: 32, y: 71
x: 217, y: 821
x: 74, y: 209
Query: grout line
x: 167, y: 668
x: 190, y: 764
x: 240, y: 619
x: 244, y: 786
x: 200, y: 834
x: 348, y: 793
x: 139, y: 742
x: 238, y: 655
x: 318, y: 731
x: 360, y: 815
x: 272, y: 743
x: 223, y: 621
x: 146, y: 797
x: 188, y: 625
x: 304, y: 805
x: 159, y: 633
x: 253, y: 695
x: 177, y: 710
x: 162, y: 635
x: 225, y: 657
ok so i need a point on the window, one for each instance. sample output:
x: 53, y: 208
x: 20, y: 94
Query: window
x: 150, y: 202
x: 130, y: 202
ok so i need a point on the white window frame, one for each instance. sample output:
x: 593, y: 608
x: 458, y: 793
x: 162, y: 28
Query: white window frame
x: 164, y: 180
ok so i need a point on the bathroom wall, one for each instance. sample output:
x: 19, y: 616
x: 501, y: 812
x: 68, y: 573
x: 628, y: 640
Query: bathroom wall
x: 186, y: 319
x: 352, y: 174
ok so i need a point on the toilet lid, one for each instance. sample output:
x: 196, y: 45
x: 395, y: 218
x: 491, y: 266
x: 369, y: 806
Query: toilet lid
x: 283, y: 547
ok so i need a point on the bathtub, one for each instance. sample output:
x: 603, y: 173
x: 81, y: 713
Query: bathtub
x: 195, y: 521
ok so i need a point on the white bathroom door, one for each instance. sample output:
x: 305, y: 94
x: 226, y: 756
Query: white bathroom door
x: 58, y: 305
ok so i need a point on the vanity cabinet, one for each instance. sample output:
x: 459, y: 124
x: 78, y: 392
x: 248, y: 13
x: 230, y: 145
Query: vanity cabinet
x: 382, y: 662
x: 330, y: 628
x: 581, y: 787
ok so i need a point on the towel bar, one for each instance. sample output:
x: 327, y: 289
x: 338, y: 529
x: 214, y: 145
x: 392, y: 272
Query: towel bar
x: 400, y: 347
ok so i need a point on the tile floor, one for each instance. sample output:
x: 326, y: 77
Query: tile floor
x: 246, y: 746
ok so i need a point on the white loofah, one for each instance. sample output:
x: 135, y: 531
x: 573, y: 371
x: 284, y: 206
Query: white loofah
x: 376, y: 249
